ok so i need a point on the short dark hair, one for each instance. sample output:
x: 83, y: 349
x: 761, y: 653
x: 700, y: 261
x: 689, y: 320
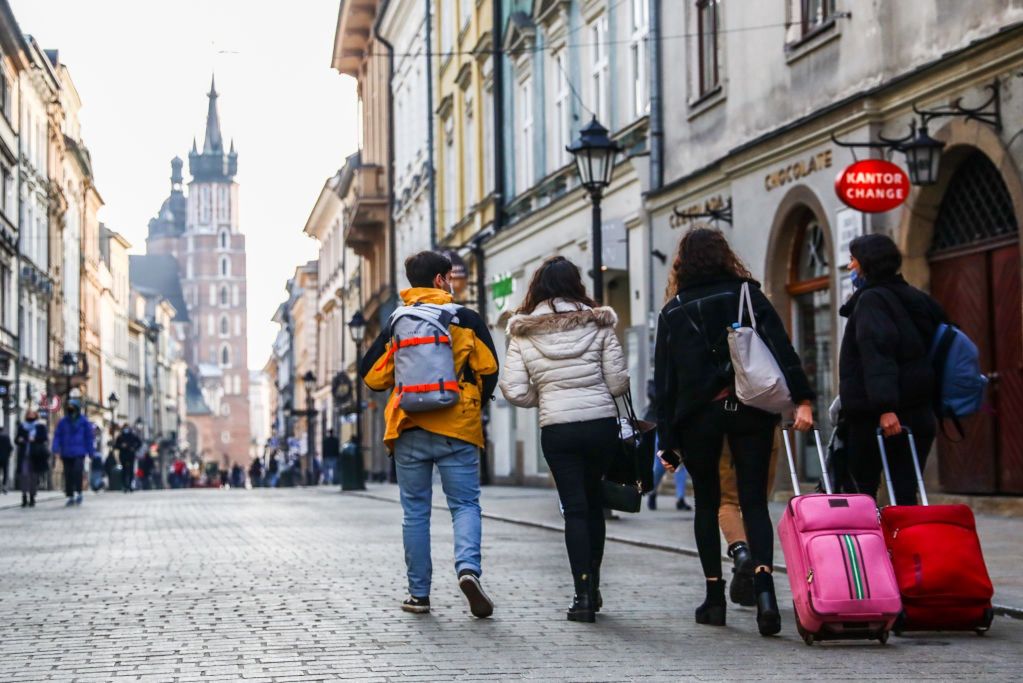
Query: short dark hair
x: 878, y: 255
x: 422, y: 268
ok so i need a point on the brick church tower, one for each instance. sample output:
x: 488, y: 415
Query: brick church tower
x: 202, y: 233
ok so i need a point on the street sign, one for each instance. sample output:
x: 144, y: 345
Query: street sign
x: 872, y: 186
x: 500, y: 289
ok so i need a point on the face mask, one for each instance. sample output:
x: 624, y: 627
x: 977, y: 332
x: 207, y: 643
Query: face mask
x: 856, y: 279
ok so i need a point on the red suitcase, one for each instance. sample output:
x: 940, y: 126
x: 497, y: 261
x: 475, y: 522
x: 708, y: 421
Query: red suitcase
x: 937, y: 559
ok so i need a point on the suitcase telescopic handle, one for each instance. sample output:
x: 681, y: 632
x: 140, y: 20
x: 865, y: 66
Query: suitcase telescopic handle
x: 786, y: 428
x: 916, y: 465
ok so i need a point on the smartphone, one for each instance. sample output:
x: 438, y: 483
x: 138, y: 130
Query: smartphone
x: 672, y: 458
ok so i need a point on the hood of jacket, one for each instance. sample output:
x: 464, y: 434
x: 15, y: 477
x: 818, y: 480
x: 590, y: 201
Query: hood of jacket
x: 562, y: 329
x: 425, y: 295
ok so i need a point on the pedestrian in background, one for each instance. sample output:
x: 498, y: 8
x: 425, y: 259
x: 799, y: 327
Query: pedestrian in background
x: 6, y: 448
x: 127, y: 446
x: 449, y: 437
x: 659, y: 471
x: 33, y: 455
x: 147, y: 467
x: 697, y: 408
x: 273, y: 469
x: 563, y: 357
x: 331, y: 454
x: 74, y: 441
x: 886, y: 379
x: 256, y: 472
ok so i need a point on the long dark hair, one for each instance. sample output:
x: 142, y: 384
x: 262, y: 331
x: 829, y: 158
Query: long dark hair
x: 556, y: 278
x: 703, y: 253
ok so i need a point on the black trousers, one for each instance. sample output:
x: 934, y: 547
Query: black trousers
x: 865, y: 456
x: 127, y: 471
x: 750, y: 435
x: 4, y: 464
x: 74, y: 470
x: 578, y: 453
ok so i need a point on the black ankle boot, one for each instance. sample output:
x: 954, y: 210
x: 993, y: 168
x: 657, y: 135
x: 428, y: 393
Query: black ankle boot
x: 768, y: 615
x: 24, y: 500
x: 582, y: 608
x: 741, y: 591
x: 712, y: 611
x: 598, y: 601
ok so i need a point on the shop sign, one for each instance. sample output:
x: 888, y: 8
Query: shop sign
x: 501, y: 288
x: 872, y: 186
x: 797, y: 171
x: 682, y: 216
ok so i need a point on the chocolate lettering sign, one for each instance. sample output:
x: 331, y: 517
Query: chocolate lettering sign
x: 872, y: 186
x: 797, y: 171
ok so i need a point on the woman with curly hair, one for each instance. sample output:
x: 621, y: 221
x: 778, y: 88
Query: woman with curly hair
x: 697, y: 408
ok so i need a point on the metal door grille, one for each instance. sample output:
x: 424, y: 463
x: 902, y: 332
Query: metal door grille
x: 976, y: 208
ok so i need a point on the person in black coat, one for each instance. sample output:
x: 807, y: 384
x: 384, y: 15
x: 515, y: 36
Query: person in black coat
x: 886, y: 379
x: 697, y: 409
x: 6, y: 448
x: 33, y: 455
x: 331, y: 454
x: 127, y: 446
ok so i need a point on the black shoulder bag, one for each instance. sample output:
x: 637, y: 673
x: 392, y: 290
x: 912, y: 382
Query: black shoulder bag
x: 624, y: 482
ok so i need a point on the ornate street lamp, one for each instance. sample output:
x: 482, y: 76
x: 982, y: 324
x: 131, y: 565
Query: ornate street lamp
x: 357, y: 330
x: 309, y: 382
x: 595, y: 154
x: 923, y: 158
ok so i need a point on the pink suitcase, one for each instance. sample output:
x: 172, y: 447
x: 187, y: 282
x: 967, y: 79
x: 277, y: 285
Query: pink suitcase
x: 843, y: 585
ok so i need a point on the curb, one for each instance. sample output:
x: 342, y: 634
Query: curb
x: 1002, y: 610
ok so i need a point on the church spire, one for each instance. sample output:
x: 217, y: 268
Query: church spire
x: 214, y: 141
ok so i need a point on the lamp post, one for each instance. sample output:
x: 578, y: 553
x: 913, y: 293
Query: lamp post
x: 595, y: 154
x: 357, y: 330
x: 310, y: 412
x: 309, y: 382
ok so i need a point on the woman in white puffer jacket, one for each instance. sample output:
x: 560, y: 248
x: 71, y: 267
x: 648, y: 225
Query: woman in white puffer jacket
x: 564, y: 357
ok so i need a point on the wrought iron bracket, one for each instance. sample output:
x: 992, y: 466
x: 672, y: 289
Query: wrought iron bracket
x: 891, y: 144
x: 723, y: 214
x: 990, y: 112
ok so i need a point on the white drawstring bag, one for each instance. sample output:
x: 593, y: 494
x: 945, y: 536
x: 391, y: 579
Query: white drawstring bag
x: 759, y: 382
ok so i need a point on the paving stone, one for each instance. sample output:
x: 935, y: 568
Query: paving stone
x: 304, y: 585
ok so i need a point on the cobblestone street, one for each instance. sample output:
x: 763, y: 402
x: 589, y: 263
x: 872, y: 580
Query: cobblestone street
x: 280, y: 585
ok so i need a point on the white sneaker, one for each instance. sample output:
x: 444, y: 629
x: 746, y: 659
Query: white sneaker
x: 78, y: 499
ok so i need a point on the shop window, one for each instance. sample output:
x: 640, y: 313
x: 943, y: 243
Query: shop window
x: 809, y: 286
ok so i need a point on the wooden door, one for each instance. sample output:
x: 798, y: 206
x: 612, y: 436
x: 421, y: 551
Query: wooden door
x: 962, y: 285
x: 1006, y: 390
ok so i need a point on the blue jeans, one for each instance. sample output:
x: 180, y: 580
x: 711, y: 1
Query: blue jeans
x: 680, y: 478
x: 415, y: 453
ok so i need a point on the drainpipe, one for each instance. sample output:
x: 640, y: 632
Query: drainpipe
x: 431, y: 172
x: 656, y: 151
x: 498, y: 68
x: 392, y: 232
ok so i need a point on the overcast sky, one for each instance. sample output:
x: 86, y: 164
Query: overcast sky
x: 142, y: 68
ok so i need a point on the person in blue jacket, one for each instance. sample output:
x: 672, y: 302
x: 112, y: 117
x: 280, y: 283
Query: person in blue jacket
x: 73, y: 441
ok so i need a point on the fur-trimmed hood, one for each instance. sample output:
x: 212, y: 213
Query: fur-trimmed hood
x: 562, y: 329
x: 563, y: 316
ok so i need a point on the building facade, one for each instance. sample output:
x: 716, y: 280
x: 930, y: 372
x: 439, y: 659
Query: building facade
x: 567, y: 63
x: 752, y: 130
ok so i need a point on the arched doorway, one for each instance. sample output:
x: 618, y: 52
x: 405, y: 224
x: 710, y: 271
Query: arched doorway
x: 808, y: 286
x: 974, y: 260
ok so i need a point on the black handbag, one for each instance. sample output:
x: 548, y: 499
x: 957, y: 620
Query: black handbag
x: 624, y: 482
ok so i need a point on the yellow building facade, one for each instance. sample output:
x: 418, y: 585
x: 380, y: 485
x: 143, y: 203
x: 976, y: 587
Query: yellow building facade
x: 463, y: 118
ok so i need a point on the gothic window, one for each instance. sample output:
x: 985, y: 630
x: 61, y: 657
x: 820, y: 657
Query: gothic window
x: 225, y: 356
x: 223, y: 295
x: 224, y: 326
x: 223, y: 239
x: 225, y: 266
x: 204, y: 204
x: 223, y: 203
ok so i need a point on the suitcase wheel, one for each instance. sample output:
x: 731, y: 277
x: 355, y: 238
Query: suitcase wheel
x: 900, y: 622
x: 806, y: 635
x: 989, y: 616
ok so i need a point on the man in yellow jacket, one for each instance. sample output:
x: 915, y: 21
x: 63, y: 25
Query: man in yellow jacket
x: 449, y: 437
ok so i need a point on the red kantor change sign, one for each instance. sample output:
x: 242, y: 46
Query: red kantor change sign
x: 872, y: 186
